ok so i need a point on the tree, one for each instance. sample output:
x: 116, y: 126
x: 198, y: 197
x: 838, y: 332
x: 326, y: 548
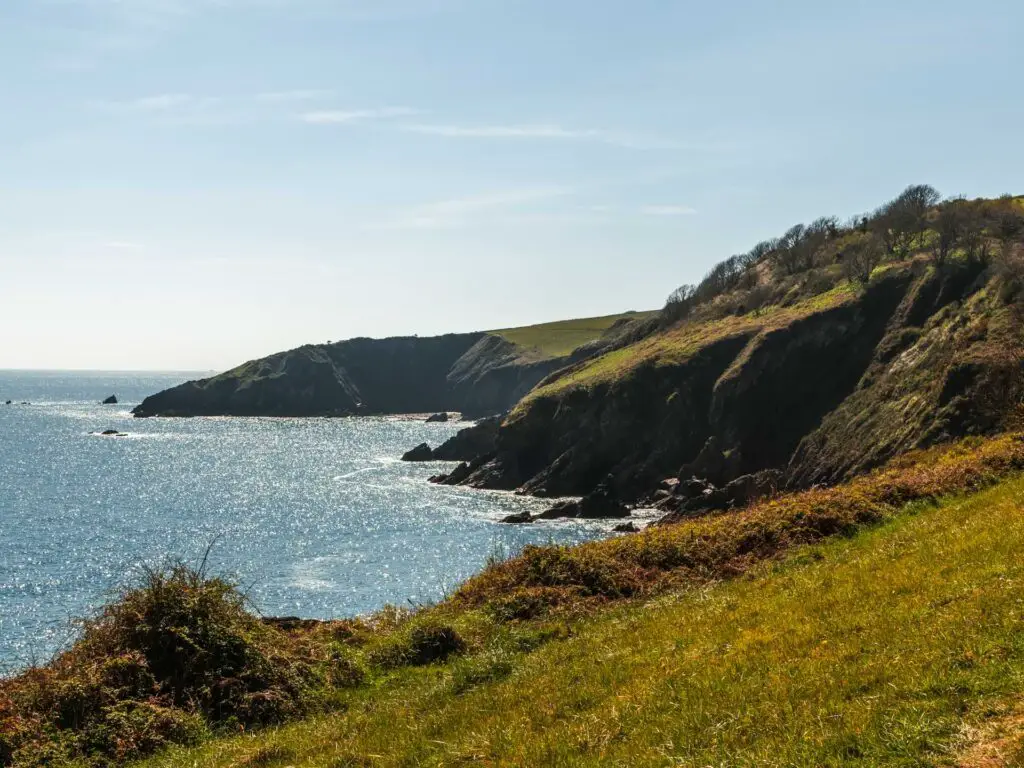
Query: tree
x: 972, y: 237
x: 950, y: 225
x: 790, y: 253
x: 860, y: 259
x: 1008, y: 226
x: 679, y: 305
x: 900, y: 222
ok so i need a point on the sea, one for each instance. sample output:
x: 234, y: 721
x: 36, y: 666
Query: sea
x: 316, y: 518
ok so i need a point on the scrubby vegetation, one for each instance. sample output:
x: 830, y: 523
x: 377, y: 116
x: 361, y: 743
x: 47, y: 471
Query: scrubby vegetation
x: 812, y: 258
x: 896, y: 646
x: 179, y: 659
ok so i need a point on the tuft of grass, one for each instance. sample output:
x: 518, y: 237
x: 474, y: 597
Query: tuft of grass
x: 167, y: 661
x: 418, y: 645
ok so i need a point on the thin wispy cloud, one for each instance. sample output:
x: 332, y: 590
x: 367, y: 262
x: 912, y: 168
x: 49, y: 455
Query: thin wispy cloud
x: 161, y: 102
x: 540, y: 131
x: 668, y: 210
x: 123, y: 245
x: 285, y: 97
x: 341, y: 117
x: 457, y: 212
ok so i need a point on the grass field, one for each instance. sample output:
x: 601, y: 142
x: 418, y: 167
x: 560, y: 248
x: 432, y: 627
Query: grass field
x: 899, y: 645
x: 561, y: 338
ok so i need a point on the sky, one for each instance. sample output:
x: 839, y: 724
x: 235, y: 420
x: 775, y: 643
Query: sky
x: 189, y: 184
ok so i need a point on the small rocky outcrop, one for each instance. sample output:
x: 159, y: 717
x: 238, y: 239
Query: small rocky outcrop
x: 9, y: 403
x: 112, y: 400
x: 696, y: 496
x: 629, y: 527
x: 438, y: 418
x: 520, y: 518
x: 421, y: 452
x: 461, y: 473
x: 469, y: 443
x: 601, y: 504
x: 111, y: 433
x: 456, y: 476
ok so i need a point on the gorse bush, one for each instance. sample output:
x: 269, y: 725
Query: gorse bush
x: 169, y: 659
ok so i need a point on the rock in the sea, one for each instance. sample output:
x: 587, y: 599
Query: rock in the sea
x: 602, y: 503
x: 455, y: 477
x: 112, y: 433
x: 469, y: 443
x: 438, y: 418
x: 112, y: 400
x: 421, y: 452
x: 9, y: 403
x: 519, y: 518
x: 561, y: 511
x: 599, y: 505
x: 629, y: 527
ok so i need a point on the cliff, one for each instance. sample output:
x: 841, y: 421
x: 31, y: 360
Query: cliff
x: 477, y: 374
x: 785, y: 379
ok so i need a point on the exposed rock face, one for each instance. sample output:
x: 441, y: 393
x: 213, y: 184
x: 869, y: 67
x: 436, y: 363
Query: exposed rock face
x: 600, y: 504
x: 918, y: 356
x: 361, y: 376
x: 112, y: 400
x: 421, y: 452
x: 520, y: 518
x: 471, y: 442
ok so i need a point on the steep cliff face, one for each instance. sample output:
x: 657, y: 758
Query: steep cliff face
x: 477, y: 374
x: 360, y: 376
x: 817, y: 391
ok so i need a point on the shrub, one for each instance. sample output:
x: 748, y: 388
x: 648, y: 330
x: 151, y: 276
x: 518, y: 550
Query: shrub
x: 169, y: 656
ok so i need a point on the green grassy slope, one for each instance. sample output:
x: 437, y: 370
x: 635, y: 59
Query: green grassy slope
x: 892, y: 647
x: 561, y: 338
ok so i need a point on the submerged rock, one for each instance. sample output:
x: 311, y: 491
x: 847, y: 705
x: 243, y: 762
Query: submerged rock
x: 421, y: 452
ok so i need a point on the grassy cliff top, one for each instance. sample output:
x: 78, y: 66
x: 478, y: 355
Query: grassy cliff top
x: 561, y: 338
x: 678, y: 343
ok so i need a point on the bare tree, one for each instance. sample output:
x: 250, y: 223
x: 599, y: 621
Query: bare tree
x: 1008, y: 226
x: 950, y: 225
x: 901, y: 222
x: 859, y: 260
x: 972, y: 237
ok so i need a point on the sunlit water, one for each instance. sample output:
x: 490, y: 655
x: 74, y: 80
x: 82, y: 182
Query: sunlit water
x: 315, y: 517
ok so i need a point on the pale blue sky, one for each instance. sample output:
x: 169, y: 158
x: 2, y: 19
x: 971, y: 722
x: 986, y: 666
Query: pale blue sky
x: 192, y: 183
